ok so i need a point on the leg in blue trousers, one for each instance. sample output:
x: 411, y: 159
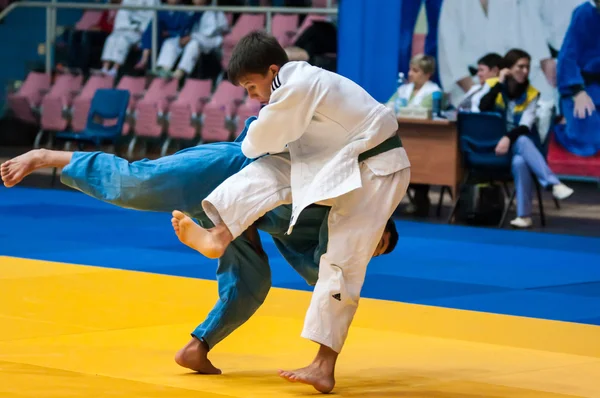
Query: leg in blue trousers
x: 528, y: 163
x: 182, y: 181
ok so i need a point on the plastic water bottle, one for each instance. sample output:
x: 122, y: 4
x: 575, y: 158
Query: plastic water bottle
x: 437, y: 104
x: 400, y: 102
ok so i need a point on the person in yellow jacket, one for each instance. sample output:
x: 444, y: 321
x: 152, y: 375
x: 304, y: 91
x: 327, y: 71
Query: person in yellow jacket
x: 512, y: 95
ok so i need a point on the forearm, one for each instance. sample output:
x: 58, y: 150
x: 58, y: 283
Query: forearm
x: 488, y: 101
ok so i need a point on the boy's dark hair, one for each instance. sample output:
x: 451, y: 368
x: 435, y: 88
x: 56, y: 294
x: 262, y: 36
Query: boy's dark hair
x: 255, y: 53
x: 491, y: 60
x: 513, y: 56
x: 391, y: 228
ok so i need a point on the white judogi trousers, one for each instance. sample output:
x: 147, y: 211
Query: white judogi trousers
x: 171, y: 50
x: 356, y: 223
x: 118, y: 44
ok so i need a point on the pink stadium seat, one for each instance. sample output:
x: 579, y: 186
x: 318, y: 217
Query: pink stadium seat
x: 284, y: 27
x: 136, y: 87
x: 58, y: 100
x: 29, y: 96
x: 184, y: 113
x: 247, y: 109
x: 220, y: 110
x: 244, y: 25
x: 150, y: 110
x: 88, y: 19
x: 323, y: 3
x: 81, y: 103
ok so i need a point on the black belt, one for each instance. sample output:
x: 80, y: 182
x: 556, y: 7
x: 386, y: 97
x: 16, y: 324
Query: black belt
x: 591, y: 78
x: 387, y: 145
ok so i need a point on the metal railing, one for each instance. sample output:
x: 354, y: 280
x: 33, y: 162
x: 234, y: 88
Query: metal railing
x: 51, y: 8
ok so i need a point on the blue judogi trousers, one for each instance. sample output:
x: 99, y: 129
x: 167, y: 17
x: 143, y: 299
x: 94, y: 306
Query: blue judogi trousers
x: 181, y: 181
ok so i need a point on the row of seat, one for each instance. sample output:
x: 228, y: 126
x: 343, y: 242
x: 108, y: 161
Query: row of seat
x: 154, y: 111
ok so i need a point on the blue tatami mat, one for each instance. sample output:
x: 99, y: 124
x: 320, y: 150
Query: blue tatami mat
x: 508, y: 272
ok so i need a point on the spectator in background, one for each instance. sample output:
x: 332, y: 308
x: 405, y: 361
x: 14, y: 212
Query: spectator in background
x: 317, y: 45
x: 512, y: 95
x: 174, y: 37
x: 207, y: 35
x: 419, y: 90
x: 85, y: 45
x: 127, y: 32
x: 418, y: 93
x: 488, y: 67
x: 468, y: 29
x: 579, y: 82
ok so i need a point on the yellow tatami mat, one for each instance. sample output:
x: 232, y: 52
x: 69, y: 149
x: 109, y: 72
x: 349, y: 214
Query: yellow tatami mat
x: 77, y: 331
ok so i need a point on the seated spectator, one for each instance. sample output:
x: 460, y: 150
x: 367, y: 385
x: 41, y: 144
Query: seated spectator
x: 207, y: 35
x: 579, y: 82
x: 419, y: 91
x: 316, y: 44
x: 127, y: 32
x: 487, y: 67
x: 512, y: 95
x: 174, y: 37
x: 85, y: 45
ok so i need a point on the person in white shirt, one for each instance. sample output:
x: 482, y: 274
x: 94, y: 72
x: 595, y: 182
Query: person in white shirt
x: 419, y: 91
x: 321, y: 139
x: 127, y: 32
x: 204, y: 37
x: 488, y: 67
x: 468, y: 29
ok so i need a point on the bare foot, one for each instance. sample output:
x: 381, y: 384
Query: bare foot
x: 322, y: 380
x: 210, y: 242
x: 14, y: 170
x: 194, y: 356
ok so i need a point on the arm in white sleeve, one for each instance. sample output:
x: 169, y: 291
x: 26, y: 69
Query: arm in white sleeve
x: 453, y: 64
x: 283, y: 120
x: 528, y: 116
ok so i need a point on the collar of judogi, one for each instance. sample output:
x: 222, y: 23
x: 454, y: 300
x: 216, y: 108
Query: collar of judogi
x: 276, y: 83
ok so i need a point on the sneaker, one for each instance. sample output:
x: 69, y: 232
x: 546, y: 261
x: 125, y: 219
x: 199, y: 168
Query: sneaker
x: 561, y: 191
x: 522, y: 222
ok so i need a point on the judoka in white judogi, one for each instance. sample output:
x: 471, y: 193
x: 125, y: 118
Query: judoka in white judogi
x: 127, y: 31
x: 206, y: 36
x: 326, y: 122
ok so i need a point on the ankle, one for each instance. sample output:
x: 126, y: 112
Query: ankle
x: 222, y: 233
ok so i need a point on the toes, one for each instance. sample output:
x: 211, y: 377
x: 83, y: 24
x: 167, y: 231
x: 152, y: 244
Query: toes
x: 178, y: 215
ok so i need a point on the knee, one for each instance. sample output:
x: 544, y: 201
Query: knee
x: 518, y: 163
x: 522, y: 143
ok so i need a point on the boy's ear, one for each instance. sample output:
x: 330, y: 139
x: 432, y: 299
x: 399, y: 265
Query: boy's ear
x: 274, y: 69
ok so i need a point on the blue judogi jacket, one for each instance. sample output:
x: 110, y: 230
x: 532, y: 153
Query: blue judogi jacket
x: 175, y: 23
x: 579, y: 58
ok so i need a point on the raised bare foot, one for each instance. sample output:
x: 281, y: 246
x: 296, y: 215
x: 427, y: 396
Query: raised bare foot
x: 210, y: 242
x: 14, y: 170
x: 322, y: 380
x: 194, y: 356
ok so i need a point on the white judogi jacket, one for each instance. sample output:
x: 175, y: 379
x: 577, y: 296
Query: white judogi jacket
x: 136, y: 20
x: 406, y: 90
x: 326, y: 121
x: 209, y: 30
